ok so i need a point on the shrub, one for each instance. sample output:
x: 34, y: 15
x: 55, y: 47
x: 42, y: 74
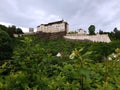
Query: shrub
x: 5, y: 45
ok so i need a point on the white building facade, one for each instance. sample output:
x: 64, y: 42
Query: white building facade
x: 82, y: 32
x: 53, y: 27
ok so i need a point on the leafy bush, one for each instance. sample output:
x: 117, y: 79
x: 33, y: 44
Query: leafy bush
x: 5, y: 45
x: 35, y: 66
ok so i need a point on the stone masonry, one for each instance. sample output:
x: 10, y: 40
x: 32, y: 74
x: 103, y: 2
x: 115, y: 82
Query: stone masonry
x: 59, y: 29
x: 52, y: 30
x: 93, y: 38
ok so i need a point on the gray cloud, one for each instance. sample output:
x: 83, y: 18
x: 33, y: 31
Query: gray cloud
x: 104, y: 14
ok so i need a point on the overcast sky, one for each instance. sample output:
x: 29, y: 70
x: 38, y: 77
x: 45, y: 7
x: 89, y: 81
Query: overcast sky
x: 104, y: 14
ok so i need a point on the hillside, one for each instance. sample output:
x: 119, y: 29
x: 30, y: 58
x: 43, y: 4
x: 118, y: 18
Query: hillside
x: 81, y: 65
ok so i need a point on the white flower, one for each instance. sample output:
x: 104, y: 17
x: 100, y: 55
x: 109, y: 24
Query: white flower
x: 109, y: 58
x: 59, y: 54
x: 114, y: 56
x: 118, y: 60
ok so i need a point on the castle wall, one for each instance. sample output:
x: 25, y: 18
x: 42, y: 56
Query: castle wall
x: 52, y: 30
x: 50, y: 35
x: 58, y: 27
x: 93, y: 38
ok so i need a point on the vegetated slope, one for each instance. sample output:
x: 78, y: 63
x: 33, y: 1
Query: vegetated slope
x: 35, y: 66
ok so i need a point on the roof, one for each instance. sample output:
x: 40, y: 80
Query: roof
x: 56, y: 22
x: 81, y: 30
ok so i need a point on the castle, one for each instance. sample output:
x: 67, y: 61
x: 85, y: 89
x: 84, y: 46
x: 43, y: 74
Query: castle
x: 59, y: 29
x: 58, y: 26
x: 55, y: 29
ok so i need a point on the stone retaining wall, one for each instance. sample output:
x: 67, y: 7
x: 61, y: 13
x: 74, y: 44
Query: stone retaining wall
x: 93, y: 38
x: 50, y: 35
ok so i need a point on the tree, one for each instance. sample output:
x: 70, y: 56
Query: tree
x: 101, y: 32
x: 72, y: 32
x: 115, y: 29
x: 11, y: 30
x: 5, y: 45
x: 4, y: 28
x: 115, y: 34
x: 18, y: 31
x: 91, y: 30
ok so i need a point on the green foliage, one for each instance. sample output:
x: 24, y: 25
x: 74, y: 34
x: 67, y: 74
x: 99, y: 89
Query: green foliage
x: 115, y: 56
x: 72, y: 32
x: 101, y: 32
x: 113, y: 35
x: 18, y: 31
x: 117, y: 34
x: 117, y: 50
x: 11, y: 30
x: 5, y: 45
x: 91, y: 30
x: 35, y: 66
x: 100, y: 51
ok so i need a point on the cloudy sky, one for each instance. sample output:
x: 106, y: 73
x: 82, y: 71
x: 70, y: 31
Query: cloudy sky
x: 104, y: 14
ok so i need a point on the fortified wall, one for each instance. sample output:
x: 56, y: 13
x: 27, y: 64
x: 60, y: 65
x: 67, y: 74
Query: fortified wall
x: 93, y: 38
x: 59, y: 29
x: 50, y: 35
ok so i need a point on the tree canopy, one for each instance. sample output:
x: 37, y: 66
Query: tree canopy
x: 11, y: 30
x: 91, y: 30
x: 5, y: 45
